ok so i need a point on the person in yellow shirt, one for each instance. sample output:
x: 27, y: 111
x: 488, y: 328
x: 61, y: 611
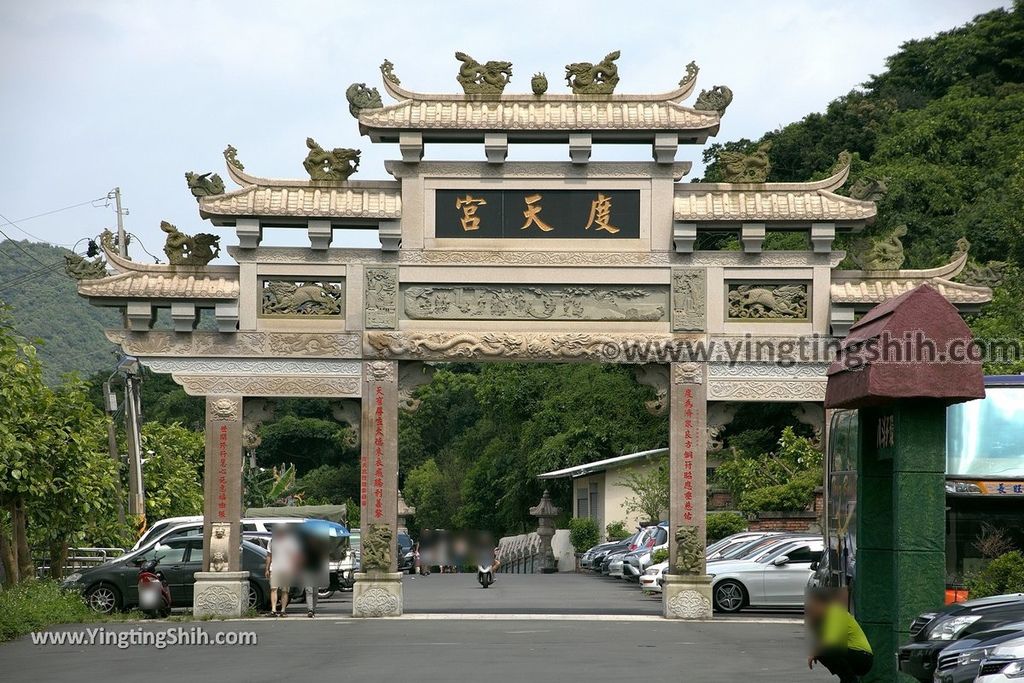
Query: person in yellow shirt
x: 839, y: 642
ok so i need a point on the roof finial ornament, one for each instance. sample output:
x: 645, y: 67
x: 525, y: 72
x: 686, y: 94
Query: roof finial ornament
x: 482, y: 79
x: 539, y: 84
x: 880, y: 253
x: 361, y: 97
x: 205, y: 184
x: 716, y: 99
x: 231, y: 156
x: 868, y: 189
x: 188, y: 250
x: 691, y: 73
x: 746, y: 168
x: 81, y: 268
x: 593, y: 79
x: 337, y: 164
x: 387, y: 69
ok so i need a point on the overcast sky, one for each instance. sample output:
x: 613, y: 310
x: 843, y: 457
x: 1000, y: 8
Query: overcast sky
x: 99, y: 93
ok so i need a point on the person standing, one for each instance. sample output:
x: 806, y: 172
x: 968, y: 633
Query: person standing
x: 839, y: 642
x: 282, y: 561
x: 314, y: 562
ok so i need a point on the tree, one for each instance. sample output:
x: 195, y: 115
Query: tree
x: 650, y: 489
x: 172, y: 474
x: 427, y: 490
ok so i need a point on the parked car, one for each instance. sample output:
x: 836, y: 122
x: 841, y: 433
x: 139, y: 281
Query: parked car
x: 613, y: 564
x: 961, y: 661
x: 159, y: 529
x: 114, y: 585
x: 599, y: 559
x: 587, y: 558
x: 636, y: 561
x: 932, y: 632
x: 776, y: 577
x: 720, y: 548
x: 1005, y: 664
x: 653, y: 578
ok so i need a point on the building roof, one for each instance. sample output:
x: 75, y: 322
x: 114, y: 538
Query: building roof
x: 538, y: 118
x: 869, y: 287
x: 602, y: 465
x: 344, y: 201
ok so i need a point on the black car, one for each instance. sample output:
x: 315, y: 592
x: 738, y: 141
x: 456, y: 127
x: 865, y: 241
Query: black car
x: 961, y: 661
x: 114, y: 585
x: 932, y: 632
x: 600, y: 558
x: 405, y: 554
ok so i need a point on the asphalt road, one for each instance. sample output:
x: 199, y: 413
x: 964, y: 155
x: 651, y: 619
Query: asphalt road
x: 441, y: 649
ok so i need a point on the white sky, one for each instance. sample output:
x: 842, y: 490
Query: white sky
x: 98, y: 93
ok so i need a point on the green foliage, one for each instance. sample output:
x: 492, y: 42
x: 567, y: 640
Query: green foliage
x: 783, y: 480
x: 173, y: 473
x: 327, y: 485
x: 583, y: 533
x: 277, y: 486
x: 650, y: 489
x: 33, y: 605
x: 793, y: 496
x: 722, y: 524
x: 1005, y: 574
x: 616, y: 531
x: 431, y: 493
x: 658, y: 556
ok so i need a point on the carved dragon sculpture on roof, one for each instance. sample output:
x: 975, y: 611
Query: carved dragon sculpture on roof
x: 482, y: 79
x: 204, y: 184
x: 337, y: 164
x: 880, y: 253
x: 593, y: 79
x: 868, y: 189
x: 717, y: 99
x: 81, y: 268
x: 361, y: 97
x: 990, y: 274
x: 189, y: 250
x: 746, y: 168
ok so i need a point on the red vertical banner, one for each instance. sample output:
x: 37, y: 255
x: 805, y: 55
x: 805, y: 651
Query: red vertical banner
x: 687, y: 451
x: 378, y: 453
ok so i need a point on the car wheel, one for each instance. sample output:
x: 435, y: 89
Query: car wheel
x: 103, y: 598
x: 324, y: 593
x: 255, y: 600
x: 730, y: 596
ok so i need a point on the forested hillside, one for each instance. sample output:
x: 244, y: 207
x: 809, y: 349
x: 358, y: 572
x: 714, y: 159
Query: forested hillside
x: 45, y: 305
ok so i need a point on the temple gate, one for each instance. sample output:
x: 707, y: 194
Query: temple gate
x: 573, y: 261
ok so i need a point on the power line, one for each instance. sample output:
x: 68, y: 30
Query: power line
x: 53, y: 211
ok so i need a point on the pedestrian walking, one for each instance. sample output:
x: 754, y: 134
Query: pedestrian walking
x: 282, y: 562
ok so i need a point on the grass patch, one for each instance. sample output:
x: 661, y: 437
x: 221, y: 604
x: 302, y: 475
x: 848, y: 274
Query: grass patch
x: 34, y: 605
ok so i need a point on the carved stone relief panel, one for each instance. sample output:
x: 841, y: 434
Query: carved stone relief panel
x: 241, y: 344
x: 290, y: 298
x: 535, y: 302
x: 768, y: 301
x: 689, y: 297
x: 380, y: 297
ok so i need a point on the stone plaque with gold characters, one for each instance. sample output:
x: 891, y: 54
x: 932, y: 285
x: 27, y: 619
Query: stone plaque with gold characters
x: 537, y: 214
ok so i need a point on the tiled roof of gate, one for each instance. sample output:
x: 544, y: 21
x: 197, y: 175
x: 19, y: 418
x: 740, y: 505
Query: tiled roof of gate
x: 305, y: 199
x: 165, y: 285
x: 696, y: 203
x: 877, y: 291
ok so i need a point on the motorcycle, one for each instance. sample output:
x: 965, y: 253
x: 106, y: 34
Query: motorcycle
x: 485, y: 575
x: 154, y: 595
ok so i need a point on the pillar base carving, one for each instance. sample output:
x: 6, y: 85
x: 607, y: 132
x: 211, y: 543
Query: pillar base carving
x: 220, y: 594
x: 377, y: 594
x: 685, y: 596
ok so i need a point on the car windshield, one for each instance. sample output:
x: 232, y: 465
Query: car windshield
x: 750, y: 548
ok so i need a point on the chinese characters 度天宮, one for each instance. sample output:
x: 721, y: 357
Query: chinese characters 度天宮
x: 599, y: 219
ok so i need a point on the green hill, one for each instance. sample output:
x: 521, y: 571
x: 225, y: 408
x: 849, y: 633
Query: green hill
x: 45, y: 305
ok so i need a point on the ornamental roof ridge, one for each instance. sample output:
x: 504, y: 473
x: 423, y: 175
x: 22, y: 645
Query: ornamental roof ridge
x: 945, y: 272
x: 877, y: 290
x: 247, y: 182
x: 396, y: 91
x: 122, y: 264
x: 829, y: 185
x: 169, y: 283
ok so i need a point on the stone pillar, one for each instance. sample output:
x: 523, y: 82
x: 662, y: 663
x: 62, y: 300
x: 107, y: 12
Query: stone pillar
x: 545, y: 511
x: 687, y: 590
x: 378, y: 588
x: 222, y: 588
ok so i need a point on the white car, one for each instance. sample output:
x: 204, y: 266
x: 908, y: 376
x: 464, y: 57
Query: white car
x: 777, y: 577
x: 653, y: 576
x: 1005, y: 664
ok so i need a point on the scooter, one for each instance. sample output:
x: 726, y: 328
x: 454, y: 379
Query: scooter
x: 485, y: 575
x: 154, y: 595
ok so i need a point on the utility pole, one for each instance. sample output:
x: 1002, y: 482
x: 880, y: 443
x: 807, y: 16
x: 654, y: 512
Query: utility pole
x: 132, y: 408
x: 122, y: 238
x: 110, y: 405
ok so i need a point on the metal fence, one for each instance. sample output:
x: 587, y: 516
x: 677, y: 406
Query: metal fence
x: 78, y: 559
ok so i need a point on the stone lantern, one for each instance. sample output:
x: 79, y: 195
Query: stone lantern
x: 545, y: 512
x: 404, y: 512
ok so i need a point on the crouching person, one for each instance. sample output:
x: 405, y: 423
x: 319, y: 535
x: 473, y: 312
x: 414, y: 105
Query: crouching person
x: 839, y: 642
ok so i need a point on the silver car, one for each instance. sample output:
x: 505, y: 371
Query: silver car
x: 775, y: 576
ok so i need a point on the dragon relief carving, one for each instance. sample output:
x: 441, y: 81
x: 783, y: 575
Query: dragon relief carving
x: 189, y: 250
x: 717, y: 99
x: 361, y: 97
x: 281, y: 297
x: 753, y: 301
x: 338, y: 164
x: 377, y: 548
x: 81, y: 268
x: 884, y: 252
x: 204, y: 184
x: 482, y: 79
x: 585, y: 78
x: 738, y: 167
x: 534, y: 303
x: 231, y: 156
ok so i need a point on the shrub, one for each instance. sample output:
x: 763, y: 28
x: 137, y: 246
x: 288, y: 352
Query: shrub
x: 1005, y: 574
x: 722, y: 524
x: 617, y: 531
x: 583, y: 533
x: 793, y: 496
x: 33, y: 605
x: 658, y: 556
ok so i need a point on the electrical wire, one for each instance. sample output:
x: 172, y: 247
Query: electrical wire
x: 148, y: 252
x: 14, y: 224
